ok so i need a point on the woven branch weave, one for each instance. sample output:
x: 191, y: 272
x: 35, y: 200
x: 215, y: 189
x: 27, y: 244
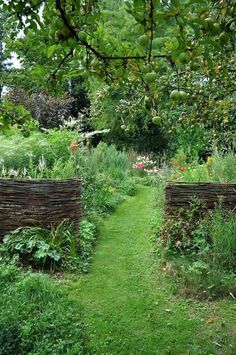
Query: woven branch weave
x: 179, y: 195
x: 38, y: 203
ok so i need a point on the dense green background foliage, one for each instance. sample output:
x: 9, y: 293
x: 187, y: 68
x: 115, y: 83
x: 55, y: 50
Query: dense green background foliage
x: 131, y: 56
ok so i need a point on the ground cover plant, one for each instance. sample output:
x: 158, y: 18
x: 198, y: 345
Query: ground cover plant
x: 61, y: 247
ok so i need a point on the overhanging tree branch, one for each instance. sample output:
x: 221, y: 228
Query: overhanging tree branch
x: 152, y: 26
x: 73, y: 31
x: 70, y: 54
x: 97, y: 53
x: 28, y: 10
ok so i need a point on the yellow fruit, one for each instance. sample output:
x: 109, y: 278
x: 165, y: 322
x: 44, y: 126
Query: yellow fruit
x: 148, y: 102
x: 178, y: 95
x: 215, y: 28
x: 209, y: 23
x: 183, y: 95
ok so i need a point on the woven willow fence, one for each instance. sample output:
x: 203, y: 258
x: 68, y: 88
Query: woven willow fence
x: 38, y: 202
x: 179, y: 195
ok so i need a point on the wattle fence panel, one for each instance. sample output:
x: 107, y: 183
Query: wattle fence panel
x: 38, y: 203
x: 179, y: 195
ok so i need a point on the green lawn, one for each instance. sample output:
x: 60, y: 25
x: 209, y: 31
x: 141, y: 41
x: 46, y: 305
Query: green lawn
x: 128, y: 304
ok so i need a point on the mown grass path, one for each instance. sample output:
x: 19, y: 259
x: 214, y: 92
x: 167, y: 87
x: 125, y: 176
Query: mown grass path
x: 128, y: 307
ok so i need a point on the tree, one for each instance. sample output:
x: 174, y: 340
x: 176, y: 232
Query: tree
x: 18, y: 116
x: 181, y: 52
x: 194, y: 31
x: 50, y: 112
x: 3, y: 58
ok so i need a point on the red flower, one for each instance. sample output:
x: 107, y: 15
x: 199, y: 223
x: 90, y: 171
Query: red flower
x: 182, y: 168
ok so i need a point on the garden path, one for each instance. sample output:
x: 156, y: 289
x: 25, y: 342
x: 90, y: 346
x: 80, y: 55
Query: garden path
x: 128, y: 307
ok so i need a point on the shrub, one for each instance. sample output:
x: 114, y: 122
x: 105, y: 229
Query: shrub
x: 47, y: 110
x: 61, y: 247
x: 106, y: 180
x: 178, y: 231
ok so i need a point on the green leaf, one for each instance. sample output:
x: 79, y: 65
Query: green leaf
x: 51, y: 50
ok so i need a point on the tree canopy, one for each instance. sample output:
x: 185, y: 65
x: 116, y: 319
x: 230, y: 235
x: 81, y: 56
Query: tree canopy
x: 176, y: 52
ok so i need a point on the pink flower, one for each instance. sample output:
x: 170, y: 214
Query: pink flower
x: 139, y: 166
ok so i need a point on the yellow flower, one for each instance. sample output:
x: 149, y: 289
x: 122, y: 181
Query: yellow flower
x: 209, y: 161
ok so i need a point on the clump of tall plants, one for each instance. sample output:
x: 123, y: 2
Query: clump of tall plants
x: 199, y: 248
x: 218, y: 167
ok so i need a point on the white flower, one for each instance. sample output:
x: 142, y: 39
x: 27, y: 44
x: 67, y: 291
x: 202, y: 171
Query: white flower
x: 13, y: 173
x: 24, y: 172
x: 42, y: 164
